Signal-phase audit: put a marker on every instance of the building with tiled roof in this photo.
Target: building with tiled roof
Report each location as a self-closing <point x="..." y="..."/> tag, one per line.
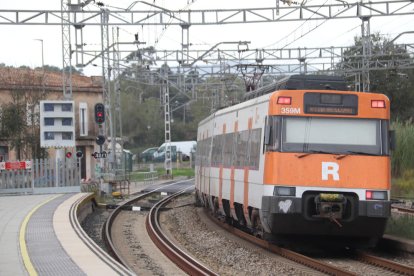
<point x="29" y="86"/>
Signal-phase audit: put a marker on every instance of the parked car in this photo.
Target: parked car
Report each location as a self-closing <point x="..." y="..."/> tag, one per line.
<point x="160" y="157"/>
<point x="147" y="155"/>
<point x="185" y="147"/>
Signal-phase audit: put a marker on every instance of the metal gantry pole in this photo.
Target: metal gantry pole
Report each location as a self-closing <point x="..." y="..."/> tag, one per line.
<point x="185" y="44"/>
<point x="117" y="89"/>
<point x="167" y="122"/>
<point x="366" y="52"/>
<point x="106" y="87"/>
<point x="66" y="51"/>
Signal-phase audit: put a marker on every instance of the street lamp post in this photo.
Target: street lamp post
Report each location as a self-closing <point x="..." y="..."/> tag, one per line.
<point x="43" y="64"/>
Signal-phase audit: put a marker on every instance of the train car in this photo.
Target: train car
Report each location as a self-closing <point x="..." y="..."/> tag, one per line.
<point x="303" y="159"/>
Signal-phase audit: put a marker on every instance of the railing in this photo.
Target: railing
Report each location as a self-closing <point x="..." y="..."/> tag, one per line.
<point x="150" y="177"/>
<point x="40" y="176"/>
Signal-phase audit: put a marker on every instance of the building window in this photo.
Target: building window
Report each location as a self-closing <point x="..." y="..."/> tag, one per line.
<point x="66" y="135"/>
<point x="83" y="119"/>
<point x="66" y="121"/>
<point x="49" y="121"/>
<point x="49" y="107"/>
<point x="67" y="107"/>
<point x="49" y="136"/>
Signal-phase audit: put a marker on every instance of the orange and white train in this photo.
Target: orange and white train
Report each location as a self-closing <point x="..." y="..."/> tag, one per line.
<point x="303" y="158"/>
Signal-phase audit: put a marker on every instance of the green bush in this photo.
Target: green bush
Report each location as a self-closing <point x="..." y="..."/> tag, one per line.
<point x="403" y="155"/>
<point x="403" y="160"/>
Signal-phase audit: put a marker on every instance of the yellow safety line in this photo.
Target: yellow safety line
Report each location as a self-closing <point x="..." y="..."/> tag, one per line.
<point x="23" y="248"/>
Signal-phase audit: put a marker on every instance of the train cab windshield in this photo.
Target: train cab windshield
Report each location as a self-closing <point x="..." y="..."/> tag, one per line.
<point x="327" y="135"/>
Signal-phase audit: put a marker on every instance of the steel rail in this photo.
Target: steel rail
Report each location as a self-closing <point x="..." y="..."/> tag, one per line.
<point x="107" y="230"/>
<point x="384" y="263"/>
<point x="315" y="264"/>
<point x="98" y="251"/>
<point x="403" y="209"/>
<point x="286" y="253"/>
<point x="107" y="227"/>
<point x="187" y="263"/>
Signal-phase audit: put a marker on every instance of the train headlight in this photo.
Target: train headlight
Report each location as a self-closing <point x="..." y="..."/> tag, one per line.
<point x="284" y="191"/>
<point x="376" y="195"/>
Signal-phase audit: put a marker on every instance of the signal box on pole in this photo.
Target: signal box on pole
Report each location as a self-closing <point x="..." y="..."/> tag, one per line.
<point x="99" y="113"/>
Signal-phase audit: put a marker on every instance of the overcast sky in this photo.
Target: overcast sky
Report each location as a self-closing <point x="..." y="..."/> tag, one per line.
<point x="19" y="44"/>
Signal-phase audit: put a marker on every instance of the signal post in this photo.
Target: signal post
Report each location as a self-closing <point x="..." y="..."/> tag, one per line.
<point x="100" y="138"/>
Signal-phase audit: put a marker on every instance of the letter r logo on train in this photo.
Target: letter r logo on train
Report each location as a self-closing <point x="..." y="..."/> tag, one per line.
<point x="330" y="168"/>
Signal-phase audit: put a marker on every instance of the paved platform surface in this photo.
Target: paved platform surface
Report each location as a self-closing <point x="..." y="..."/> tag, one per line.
<point x="37" y="238"/>
<point x="44" y="248"/>
<point x="13" y="210"/>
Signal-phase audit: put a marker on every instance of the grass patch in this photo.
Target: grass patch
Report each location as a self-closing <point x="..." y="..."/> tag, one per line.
<point x="404" y="186"/>
<point x="403" y="155"/>
<point x="189" y="172"/>
<point x="401" y="226"/>
<point x="403" y="160"/>
<point x="140" y="175"/>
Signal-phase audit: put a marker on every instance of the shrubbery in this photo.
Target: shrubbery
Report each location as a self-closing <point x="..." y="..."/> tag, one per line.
<point x="403" y="160"/>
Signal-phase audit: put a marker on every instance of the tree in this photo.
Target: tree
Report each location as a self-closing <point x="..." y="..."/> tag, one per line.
<point x="397" y="84"/>
<point x="20" y="116"/>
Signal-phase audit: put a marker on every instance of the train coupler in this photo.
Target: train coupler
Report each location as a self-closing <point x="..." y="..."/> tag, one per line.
<point x="330" y="206"/>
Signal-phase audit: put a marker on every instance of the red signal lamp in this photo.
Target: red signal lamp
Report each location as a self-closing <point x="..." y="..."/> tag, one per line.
<point x="68" y="154"/>
<point x="284" y="100"/>
<point x="378" y="104"/>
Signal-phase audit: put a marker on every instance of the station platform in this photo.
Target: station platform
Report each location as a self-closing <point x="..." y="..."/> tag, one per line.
<point x="38" y="236"/>
<point x="41" y="235"/>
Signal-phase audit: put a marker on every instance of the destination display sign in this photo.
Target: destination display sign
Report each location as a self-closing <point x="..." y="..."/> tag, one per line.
<point x="331" y="110"/>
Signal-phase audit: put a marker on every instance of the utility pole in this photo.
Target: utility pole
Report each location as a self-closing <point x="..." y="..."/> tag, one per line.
<point x="366" y="53"/>
<point x="165" y="91"/>
<point x="106" y="87"/>
<point x="43" y="66"/>
<point x="66" y="49"/>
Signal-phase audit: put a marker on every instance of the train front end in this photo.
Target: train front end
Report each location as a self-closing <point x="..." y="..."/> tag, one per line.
<point x="327" y="166"/>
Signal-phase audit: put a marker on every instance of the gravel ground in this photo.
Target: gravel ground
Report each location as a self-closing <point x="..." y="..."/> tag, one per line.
<point x="204" y="240"/>
<point x="218" y="249"/>
<point x="93" y="223"/>
<point x="137" y="249"/>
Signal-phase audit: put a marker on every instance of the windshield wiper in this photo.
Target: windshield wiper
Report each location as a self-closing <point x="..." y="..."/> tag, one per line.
<point x="350" y="152"/>
<point x="309" y="152"/>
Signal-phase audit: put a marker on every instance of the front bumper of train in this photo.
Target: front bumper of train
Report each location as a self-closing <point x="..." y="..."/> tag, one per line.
<point x="289" y="216"/>
<point x="294" y="205"/>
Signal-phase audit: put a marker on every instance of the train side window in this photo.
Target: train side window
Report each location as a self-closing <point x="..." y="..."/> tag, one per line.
<point x="242" y="148"/>
<point x="272" y="133"/>
<point x="216" y="155"/>
<point x="254" y="148"/>
<point x="228" y="150"/>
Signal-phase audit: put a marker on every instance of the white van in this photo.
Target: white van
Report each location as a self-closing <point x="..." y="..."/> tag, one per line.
<point x="185" y="147"/>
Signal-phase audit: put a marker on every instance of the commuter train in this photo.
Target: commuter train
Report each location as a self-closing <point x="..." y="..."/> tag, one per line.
<point x="302" y="159"/>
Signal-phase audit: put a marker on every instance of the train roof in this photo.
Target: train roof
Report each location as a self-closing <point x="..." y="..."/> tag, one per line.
<point x="293" y="82"/>
<point x="301" y="82"/>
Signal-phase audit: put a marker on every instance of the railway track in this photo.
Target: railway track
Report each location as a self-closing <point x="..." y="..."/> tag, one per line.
<point x="403" y="209"/>
<point x="107" y="230"/>
<point x="175" y="254"/>
<point x="317" y="264"/>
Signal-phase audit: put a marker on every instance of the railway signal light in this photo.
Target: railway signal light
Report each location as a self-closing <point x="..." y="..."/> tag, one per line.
<point x="68" y="154"/>
<point x="79" y="154"/>
<point x="99" y="113"/>
<point x="100" y="140"/>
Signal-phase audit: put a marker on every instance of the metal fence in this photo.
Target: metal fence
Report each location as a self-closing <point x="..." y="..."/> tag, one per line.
<point x="42" y="176"/>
